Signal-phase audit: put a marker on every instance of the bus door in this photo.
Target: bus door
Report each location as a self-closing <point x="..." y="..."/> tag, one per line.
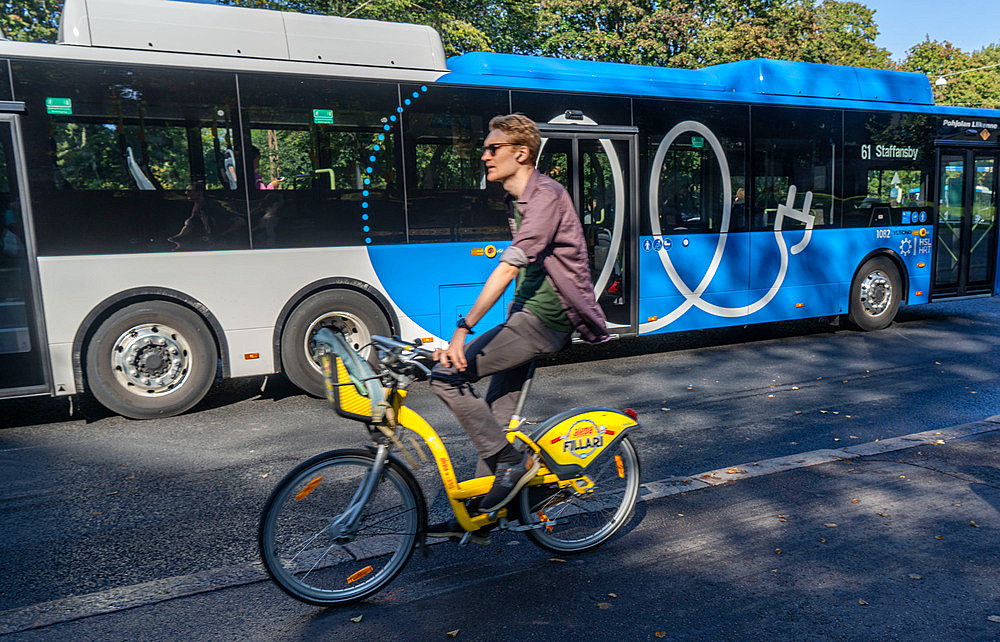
<point x="22" y="354"/>
<point x="598" y="167"/>
<point x="966" y="247"/>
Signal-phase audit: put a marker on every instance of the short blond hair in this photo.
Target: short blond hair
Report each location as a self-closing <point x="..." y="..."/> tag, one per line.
<point x="519" y="130"/>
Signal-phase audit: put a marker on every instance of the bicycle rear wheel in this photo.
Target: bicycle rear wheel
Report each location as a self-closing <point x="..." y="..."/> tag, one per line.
<point x="305" y="552"/>
<point x="577" y="523"/>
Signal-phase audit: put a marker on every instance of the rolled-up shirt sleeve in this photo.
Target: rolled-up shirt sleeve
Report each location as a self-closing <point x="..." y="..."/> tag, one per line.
<point x="538" y="227"/>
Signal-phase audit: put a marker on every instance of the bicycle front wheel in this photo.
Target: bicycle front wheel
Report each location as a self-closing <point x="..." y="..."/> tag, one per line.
<point x="573" y="523"/>
<point x="308" y="544"/>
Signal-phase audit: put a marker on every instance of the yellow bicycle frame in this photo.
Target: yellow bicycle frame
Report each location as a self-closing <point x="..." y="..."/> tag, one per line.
<point x="459" y="491"/>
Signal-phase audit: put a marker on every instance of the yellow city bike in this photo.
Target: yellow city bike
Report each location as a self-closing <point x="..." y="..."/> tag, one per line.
<point x="342" y="525"/>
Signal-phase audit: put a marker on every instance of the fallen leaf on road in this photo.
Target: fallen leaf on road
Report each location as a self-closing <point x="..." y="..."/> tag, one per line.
<point x="452" y="634"/>
<point x="556" y="559"/>
<point x="973" y="525"/>
<point x="824" y="411"/>
<point x="264" y="476"/>
<point x="914" y="576"/>
<point x="356" y="619"/>
<point x="795" y="387"/>
<point x="604" y="605"/>
<point x="938" y="442"/>
<point x="994" y="618"/>
<point x="830" y="525"/>
<point x="777" y="551"/>
<point x="938" y="537"/>
<point x="854" y="501"/>
<point x="665" y="409"/>
<point x="709" y="476"/>
<point x="612" y="595"/>
<point x="822" y="541"/>
<point x="883" y="514"/>
<point x="862" y="603"/>
<point x="660" y="634"/>
<point x="735" y="471"/>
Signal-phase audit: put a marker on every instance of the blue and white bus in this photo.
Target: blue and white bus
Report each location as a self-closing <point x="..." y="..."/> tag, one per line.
<point x="190" y="185"/>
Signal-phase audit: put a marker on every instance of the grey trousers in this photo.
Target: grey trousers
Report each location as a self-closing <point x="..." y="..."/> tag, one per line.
<point x="505" y="352"/>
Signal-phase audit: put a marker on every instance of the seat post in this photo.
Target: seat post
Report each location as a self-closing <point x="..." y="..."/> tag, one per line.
<point x="516" y="419"/>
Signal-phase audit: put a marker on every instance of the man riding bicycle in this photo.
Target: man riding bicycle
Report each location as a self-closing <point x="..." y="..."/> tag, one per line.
<point x="553" y="297"/>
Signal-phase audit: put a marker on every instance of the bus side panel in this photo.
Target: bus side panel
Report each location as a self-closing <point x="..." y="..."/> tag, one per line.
<point x="674" y="268"/>
<point x="434" y="284"/>
<point x="244" y="290"/>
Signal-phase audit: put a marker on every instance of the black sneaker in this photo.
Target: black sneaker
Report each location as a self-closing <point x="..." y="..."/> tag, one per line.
<point x="452" y="528"/>
<point x="510" y="478"/>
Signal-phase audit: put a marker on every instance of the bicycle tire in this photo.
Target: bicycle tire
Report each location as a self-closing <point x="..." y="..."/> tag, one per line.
<point x="295" y="538"/>
<point x="579" y="523"/>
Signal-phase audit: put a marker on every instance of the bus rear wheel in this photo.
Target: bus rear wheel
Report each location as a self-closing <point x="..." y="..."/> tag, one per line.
<point x="350" y="313"/>
<point x="875" y="294"/>
<point x="151" y="359"/>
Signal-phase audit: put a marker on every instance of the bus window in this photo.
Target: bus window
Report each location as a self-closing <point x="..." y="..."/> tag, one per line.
<point x="888" y="169"/>
<point x="691" y="178"/>
<point x="793" y="148"/>
<point x="6" y="91"/>
<point x="448" y="197"/>
<point x="114" y="150"/>
<point x="325" y="162"/>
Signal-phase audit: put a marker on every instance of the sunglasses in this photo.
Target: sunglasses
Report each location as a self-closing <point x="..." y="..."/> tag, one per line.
<point x="492" y="149"/>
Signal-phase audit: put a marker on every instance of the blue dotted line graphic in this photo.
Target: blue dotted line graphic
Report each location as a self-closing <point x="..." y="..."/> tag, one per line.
<point x="376" y="148"/>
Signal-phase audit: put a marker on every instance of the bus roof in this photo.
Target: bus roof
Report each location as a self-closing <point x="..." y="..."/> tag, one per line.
<point x="160" y="25"/>
<point x="747" y="77"/>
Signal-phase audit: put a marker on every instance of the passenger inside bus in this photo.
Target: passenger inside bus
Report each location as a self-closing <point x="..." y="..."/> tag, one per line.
<point x="209" y="226"/>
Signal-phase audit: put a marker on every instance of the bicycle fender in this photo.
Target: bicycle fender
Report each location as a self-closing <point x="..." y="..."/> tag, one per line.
<point x="572" y="441"/>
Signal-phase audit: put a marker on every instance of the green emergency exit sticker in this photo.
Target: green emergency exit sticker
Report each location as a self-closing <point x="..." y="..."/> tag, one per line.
<point x="323" y="116"/>
<point x="61" y="106"/>
<point x="697" y="142"/>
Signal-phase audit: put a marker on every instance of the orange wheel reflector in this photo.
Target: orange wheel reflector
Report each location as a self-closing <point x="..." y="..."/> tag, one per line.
<point x="620" y="466"/>
<point x="357" y="576"/>
<point x="310" y="487"/>
<point x="542" y="517"/>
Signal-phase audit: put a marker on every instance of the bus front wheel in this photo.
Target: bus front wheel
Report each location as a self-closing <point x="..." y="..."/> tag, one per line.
<point x="350" y="313"/>
<point x="875" y="294"/>
<point x="151" y="359"/>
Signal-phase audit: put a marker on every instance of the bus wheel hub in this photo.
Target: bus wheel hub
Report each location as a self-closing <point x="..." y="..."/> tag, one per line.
<point x="150" y="359"/>
<point x="876" y="293"/>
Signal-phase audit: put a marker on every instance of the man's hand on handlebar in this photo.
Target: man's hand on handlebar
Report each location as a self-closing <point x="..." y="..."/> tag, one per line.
<point x="454" y="354"/>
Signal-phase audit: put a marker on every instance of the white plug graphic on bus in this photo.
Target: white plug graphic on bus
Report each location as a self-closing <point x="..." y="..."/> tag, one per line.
<point x="694" y="296"/>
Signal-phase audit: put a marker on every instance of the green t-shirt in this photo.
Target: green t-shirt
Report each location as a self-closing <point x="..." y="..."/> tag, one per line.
<point x="534" y="290"/>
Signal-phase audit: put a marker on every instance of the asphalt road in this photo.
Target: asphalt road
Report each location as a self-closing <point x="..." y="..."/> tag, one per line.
<point x="90" y="502"/>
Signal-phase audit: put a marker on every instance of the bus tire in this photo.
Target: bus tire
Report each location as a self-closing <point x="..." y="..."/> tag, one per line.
<point x="351" y="313"/>
<point x="876" y="292"/>
<point x="151" y="359"/>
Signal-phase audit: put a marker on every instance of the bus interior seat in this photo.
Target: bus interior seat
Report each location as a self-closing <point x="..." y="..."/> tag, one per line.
<point x="229" y="168"/>
<point x="140" y="179"/>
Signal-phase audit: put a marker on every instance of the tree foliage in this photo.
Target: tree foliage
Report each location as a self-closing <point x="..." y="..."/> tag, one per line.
<point x="674" y="33"/>
<point x="972" y="80"/>
<point x="36" y="20"/>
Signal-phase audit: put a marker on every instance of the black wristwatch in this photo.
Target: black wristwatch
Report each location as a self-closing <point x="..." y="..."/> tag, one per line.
<point x="462" y="324"/>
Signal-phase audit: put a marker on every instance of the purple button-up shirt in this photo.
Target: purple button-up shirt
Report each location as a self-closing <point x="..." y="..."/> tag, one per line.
<point x="550" y="232"/>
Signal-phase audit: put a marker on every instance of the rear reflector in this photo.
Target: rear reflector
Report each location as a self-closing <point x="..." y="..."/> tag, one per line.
<point x="631" y="413"/>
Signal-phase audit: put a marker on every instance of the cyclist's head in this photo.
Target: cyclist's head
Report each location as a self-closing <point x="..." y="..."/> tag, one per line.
<point x="519" y="130"/>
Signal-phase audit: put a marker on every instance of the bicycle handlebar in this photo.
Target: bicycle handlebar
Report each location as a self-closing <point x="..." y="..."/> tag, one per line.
<point x="398" y="347"/>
